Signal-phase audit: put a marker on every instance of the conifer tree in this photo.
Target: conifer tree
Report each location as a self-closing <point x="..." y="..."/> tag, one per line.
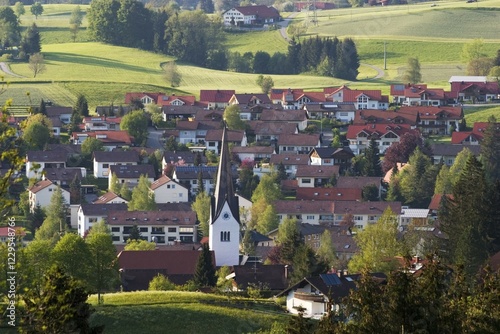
<point x="204" y="275"/>
<point x="55" y="224"/>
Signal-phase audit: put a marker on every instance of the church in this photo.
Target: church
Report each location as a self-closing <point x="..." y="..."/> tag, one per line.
<point x="224" y="228"/>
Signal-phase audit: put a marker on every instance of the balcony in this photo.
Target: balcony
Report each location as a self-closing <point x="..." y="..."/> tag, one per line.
<point x="318" y="298"/>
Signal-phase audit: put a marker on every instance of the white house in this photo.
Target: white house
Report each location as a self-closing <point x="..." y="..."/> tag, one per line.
<point x="130" y="174"/>
<point x="213" y="139"/>
<point x="103" y="160"/>
<point x="89" y="214"/>
<point x="37" y="161"/>
<point x="250" y="15"/>
<point x="41" y="193"/>
<point x="167" y="190"/>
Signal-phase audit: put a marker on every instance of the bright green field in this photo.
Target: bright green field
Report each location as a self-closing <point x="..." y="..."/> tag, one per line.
<point x="474" y="114"/>
<point x="179" y="313"/>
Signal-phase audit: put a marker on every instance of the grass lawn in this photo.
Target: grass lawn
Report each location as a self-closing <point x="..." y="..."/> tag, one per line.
<point x="179" y="312"/>
<point x="481" y="114"/>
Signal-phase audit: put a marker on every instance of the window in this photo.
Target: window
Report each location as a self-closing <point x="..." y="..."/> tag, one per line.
<point x="158" y="230"/>
<point x="115" y="229"/>
<point x="327" y="161"/>
<point x="92" y="220"/>
<point x="194" y="181"/>
<point x="171" y="238"/>
<point x="172" y="229"/>
<point x="105" y="165"/>
<point x="225" y="236"/>
<point x="306" y="180"/>
<point x="186" y="230"/>
<point x="358" y="218"/>
<point x="143" y="229"/>
<point x="115" y="238"/>
<point x="310" y="217"/>
<point x="211" y="144"/>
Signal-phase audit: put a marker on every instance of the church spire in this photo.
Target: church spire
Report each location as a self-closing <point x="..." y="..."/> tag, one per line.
<point x="224" y="190"/>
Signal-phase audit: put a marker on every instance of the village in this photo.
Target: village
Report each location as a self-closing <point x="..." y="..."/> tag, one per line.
<point x="322" y="189"/>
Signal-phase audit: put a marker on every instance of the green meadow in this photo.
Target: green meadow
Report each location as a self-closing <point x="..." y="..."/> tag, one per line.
<point x="104" y="73"/>
<point x="183" y="313"/>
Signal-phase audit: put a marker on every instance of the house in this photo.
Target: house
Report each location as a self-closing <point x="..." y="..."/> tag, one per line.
<point x="259" y="239"/>
<point x="329" y="194"/>
<point x="418" y="95"/>
<point x="182" y="112"/>
<point x="213" y="139"/>
<point x="311" y="212"/>
<point x="448" y="152"/>
<point x="314" y="294"/>
<point x="414" y="217"/>
<point x="109" y="198"/>
<point x="253" y="112"/>
<point x="215" y="99"/>
<point x="195" y="131"/>
<point x="138" y="268"/>
<point x="63" y="113"/>
<point x="363" y="213"/>
<point x="188" y="176"/>
<point x="89" y="214"/>
<point x="182" y="158"/>
<point x="400" y="116"/>
<point x="268" y="132"/>
<point x="251" y="15"/>
<point x="224" y="222"/>
<point x="101" y="123"/>
<point x="273" y="277"/>
<point x="312" y="176"/>
<point x="103" y="161"/>
<point x="359" y="182"/>
<point x="437" y="120"/>
<point x="473" y="137"/>
<point x="473" y="88"/>
<point x="144" y="97"/>
<point x="41" y="192"/>
<point x="176" y="100"/>
<point x="167" y="190"/>
<point x="385" y="135"/>
<point x="435" y="205"/>
<point x="342" y="111"/>
<point x="343" y="241"/>
<point x="131" y="174"/>
<point x="63" y="176"/>
<point x="291" y="162"/>
<point x="249" y="99"/>
<point x="161" y="227"/>
<point x="329" y="156"/>
<point x="253" y="153"/>
<point x="37" y="161"/>
<point x="298" y="117"/>
<point x="362" y="99"/>
<point x="299" y="143"/>
<point x="291" y="99"/>
<point x="17" y="233"/>
<point x="56" y="126"/>
<point x="110" y="139"/>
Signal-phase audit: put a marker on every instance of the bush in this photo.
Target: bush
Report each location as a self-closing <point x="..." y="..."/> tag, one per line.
<point x="161" y="283"/>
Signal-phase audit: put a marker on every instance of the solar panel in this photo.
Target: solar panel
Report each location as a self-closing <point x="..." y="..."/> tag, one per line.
<point x="330" y="279"/>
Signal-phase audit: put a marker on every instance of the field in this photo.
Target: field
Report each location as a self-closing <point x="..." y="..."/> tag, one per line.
<point x="104" y="73"/>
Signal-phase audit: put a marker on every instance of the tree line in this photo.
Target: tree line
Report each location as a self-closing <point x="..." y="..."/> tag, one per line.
<point x="194" y="37"/>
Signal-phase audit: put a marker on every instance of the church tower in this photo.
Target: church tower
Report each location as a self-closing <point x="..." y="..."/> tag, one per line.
<point x="224" y="230"/>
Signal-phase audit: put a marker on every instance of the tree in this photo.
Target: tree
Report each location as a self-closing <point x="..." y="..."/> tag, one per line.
<point x="401" y="152"/>
<point x="347" y="64"/>
<point x="136" y="124"/>
<point x="417" y="180"/>
<point x="91" y="145"/>
<point x="75" y="22"/>
<point x="60" y="307"/>
<point x="232" y="118"/>
<point x="19" y="9"/>
<point x="305" y="264"/>
<point x="473" y="50"/>
<point x="412" y="74"/>
<point x="495" y="73"/>
<point x="161" y="283"/>
<point x="326" y="250"/>
<point x="372" y="165"/>
<point x="370" y="192"/>
<point x="289" y="239"/>
<point x="115" y="186"/>
<point x="265" y="83"/>
<point x="480" y="66"/>
<point x="201" y="206"/>
<point x="75" y="190"/>
<point x="464" y="219"/>
<point x="54" y="226"/>
<point x="9" y="28"/>
<point x="36" y="64"/>
<point x="172" y="74"/>
<point x="36" y="259"/>
<point x="377" y="244"/>
<point x="204" y="275"/>
<point x="443" y="181"/>
<point x="36" y="136"/>
<point x="142" y="198"/>
<point x="31" y="43"/>
<point x="125" y="191"/>
<point x="490" y="151"/>
<point x="267" y="220"/>
<point x="36" y="9"/>
<point x="207" y="6"/>
<point x="247" y="180"/>
<point x="134" y="234"/>
<point x="267" y="189"/>
<point x="134" y="245"/>
<point x="81" y="106"/>
<point x="459" y="165"/>
<point x="103" y="262"/>
<point x="64" y="256"/>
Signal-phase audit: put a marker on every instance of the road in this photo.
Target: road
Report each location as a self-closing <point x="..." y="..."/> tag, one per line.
<point x="6" y="69"/>
<point x="154" y="137"/>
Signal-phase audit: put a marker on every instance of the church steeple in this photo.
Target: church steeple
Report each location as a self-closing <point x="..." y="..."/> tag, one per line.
<point x="224" y="189"/>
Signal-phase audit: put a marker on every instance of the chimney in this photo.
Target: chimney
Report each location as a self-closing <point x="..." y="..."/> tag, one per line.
<point x="286" y="271"/>
<point x="340" y="273"/>
<point x="346" y="272"/>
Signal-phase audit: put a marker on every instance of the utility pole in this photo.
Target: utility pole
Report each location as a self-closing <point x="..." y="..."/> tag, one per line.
<point x="385" y="56"/>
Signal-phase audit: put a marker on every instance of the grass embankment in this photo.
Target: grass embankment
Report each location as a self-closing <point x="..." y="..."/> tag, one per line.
<point x="181" y="312"/>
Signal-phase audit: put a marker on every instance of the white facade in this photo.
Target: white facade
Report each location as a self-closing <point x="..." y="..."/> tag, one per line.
<point x="170" y="192"/>
<point x="224" y="238"/>
<point x="235" y="16"/>
<point x="101" y="169"/>
<point x="42" y="196"/>
<point x="314" y="303"/>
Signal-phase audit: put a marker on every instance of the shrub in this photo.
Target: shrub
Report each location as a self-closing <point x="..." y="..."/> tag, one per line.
<point x="161" y="283"/>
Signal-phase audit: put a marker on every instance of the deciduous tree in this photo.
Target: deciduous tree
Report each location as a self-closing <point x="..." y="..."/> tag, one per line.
<point x="412" y="74"/>
<point x="265" y="83"/>
<point x="75" y="22"/>
<point x="232" y="118"/>
<point x="142" y="198"/>
<point x="37" y="64"/>
<point x="136" y="124"/>
<point x="201" y="206"/>
<point x="54" y="226"/>
<point x="172" y="74"/>
<point x="37" y="9"/>
<point x="64" y="256"/>
<point x="134" y="245"/>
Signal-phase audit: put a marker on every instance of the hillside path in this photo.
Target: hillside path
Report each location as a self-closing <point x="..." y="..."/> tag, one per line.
<point x="5" y="68"/>
<point x="380" y="72"/>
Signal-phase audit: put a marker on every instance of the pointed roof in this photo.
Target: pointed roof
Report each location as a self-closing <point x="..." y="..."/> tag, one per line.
<point x="224" y="190"/>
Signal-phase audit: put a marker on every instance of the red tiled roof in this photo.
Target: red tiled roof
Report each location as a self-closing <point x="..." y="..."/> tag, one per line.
<point x="165" y="100"/>
<point x="356" y="207"/>
<point x="352" y="95"/>
<point x="249" y="98"/>
<point x="329" y="194"/>
<point x="300" y="139"/>
<point x="272" y="128"/>
<point x="301" y="207"/>
<point x="216" y="95"/>
<point x="261" y="11"/>
<point x="380" y="129"/>
<point x="39" y="186"/>
<point x="232" y="135"/>
<point x="161" y="181"/>
<point x="460" y="137"/>
<point x="107" y="197"/>
<point x="429" y="112"/>
<point x="4" y="231"/>
<point x="129" y="97"/>
<point x="120" y="136"/>
<point x="366" y="116"/>
<point x="279" y="94"/>
<point x="289" y="159"/>
<point x="399" y="89"/>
